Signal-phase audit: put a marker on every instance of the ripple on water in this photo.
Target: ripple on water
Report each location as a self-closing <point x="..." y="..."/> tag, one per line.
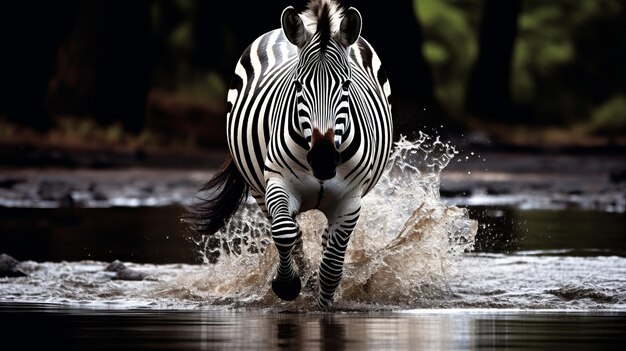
<point x="572" y="292"/>
<point x="479" y="281"/>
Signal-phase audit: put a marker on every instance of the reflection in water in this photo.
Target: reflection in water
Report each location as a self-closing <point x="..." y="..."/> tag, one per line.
<point x="66" y="328"/>
<point x="437" y="330"/>
<point x="333" y="334"/>
<point x="442" y="329"/>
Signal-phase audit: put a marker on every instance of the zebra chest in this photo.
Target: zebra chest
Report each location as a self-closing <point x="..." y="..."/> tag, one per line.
<point x="316" y="194"/>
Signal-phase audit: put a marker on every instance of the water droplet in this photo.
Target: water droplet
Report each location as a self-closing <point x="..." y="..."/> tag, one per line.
<point x="403" y="198"/>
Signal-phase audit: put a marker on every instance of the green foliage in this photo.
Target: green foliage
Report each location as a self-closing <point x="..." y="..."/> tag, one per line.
<point x="78" y="130"/>
<point x="207" y="84"/>
<point x="568" y="61"/>
<point x="562" y="65"/>
<point x="610" y="117"/>
<point x="450" y="46"/>
<point x="174" y="27"/>
<point x="436" y="53"/>
<point x="181" y="38"/>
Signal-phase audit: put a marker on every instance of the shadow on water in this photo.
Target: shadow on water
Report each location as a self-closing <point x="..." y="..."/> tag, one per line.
<point x="137" y="234"/>
<point x="67" y="328"/>
<point x="573" y="232"/>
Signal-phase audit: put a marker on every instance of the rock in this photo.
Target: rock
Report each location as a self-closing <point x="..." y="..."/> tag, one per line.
<point x="8" y="267"/>
<point x="99" y="196"/>
<point x="9" y="183"/>
<point x="124" y="273"/>
<point x="451" y="193"/>
<point x="56" y="190"/>
<point x="115" y="266"/>
<point x="498" y="189"/>
<point x="129" y="274"/>
<point x="617" y="176"/>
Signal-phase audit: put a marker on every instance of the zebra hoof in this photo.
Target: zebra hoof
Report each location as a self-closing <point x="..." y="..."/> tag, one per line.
<point x="287" y="290"/>
<point x="324" y="304"/>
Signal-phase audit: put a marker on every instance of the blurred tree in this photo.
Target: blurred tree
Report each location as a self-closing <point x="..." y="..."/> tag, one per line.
<point x="30" y="33"/>
<point x="222" y="35"/>
<point x="556" y="63"/>
<point x="488" y="94"/>
<point x="569" y="61"/>
<point x="224" y="32"/>
<point x="396" y="34"/>
<point x="198" y="46"/>
<point x="124" y="72"/>
<point x="103" y="68"/>
<point x="562" y="64"/>
<point x="450" y="48"/>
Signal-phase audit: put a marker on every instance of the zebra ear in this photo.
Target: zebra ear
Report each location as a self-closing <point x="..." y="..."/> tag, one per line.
<point x="350" y="27"/>
<point x="293" y="27"/>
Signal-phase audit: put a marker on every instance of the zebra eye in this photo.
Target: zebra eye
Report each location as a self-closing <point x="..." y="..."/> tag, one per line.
<point x="298" y="85"/>
<point x="346" y="85"/>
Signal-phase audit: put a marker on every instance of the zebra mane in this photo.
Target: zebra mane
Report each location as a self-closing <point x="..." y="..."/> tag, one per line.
<point x="323" y="17"/>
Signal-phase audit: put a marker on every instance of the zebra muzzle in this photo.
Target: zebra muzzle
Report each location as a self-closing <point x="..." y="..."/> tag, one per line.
<point x="323" y="156"/>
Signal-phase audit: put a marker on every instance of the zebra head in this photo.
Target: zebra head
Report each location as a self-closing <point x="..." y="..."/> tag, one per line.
<point x="321" y="82"/>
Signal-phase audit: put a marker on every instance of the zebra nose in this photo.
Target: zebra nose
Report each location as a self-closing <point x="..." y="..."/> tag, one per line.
<point x="323" y="156"/>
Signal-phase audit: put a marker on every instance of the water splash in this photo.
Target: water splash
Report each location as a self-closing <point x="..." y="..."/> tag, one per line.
<point x="405" y="254"/>
<point x="405" y="244"/>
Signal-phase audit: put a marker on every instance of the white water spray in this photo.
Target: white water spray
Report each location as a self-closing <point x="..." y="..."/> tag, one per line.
<point x="405" y="244"/>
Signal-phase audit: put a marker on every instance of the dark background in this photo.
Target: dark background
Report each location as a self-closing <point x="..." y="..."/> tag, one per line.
<point x="150" y="76"/>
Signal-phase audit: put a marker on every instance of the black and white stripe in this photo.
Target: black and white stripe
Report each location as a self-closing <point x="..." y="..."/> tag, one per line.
<point x="309" y="127"/>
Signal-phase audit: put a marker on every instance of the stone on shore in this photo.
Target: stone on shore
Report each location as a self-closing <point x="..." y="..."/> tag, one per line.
<point x="9" y="267"/>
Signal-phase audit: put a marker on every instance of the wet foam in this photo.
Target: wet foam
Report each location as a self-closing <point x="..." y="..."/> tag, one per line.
<point x="497" y="282"/>
<point x="405" y="245"/>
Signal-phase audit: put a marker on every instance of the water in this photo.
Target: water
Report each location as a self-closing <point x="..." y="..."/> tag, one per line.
<point x="420" y="272"/>
<point x="64" y="328"/>
<point x="529" y="280"/>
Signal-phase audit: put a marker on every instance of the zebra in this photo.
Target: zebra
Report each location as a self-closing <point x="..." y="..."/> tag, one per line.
<point x="309" y="126"/>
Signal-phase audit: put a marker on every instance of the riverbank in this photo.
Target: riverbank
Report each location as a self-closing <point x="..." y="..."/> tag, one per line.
<point x="481" y="173"/>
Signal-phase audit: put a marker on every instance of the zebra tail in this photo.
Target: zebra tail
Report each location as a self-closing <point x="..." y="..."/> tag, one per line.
<point x="227" y="189"/>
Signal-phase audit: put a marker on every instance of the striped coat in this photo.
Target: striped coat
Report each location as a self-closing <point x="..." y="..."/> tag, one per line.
<point x="308" y="127"/>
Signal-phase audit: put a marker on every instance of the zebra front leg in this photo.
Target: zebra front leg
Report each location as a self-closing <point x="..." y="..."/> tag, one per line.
<point x="335" y="243"/>
<point x="285" y="233"/>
